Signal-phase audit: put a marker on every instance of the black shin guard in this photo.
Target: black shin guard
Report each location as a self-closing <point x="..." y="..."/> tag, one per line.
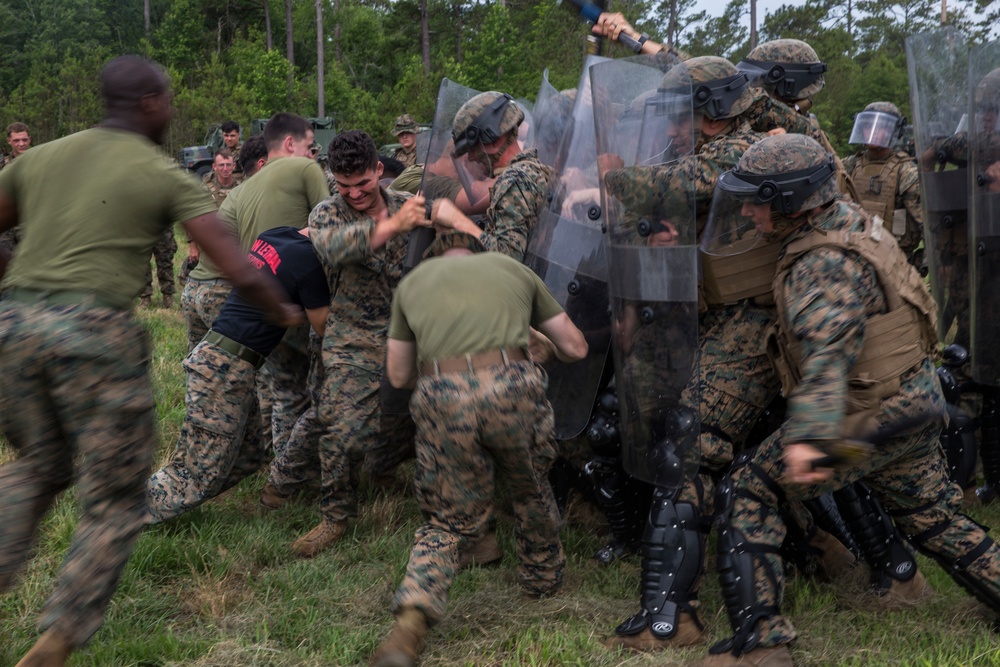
<point x="673" y="558"/>
<point x="989" y="445"/>
<point x="829" y="517"/>
<point x="881" y="545"/>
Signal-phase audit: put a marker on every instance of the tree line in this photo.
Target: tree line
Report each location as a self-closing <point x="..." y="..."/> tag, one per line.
<point x="245" y="59"/>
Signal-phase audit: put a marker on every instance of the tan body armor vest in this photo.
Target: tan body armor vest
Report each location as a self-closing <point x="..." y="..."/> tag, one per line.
<point x="877" y="183"/>
<point x="727" y="279"/>
<point x="894" y="342"/>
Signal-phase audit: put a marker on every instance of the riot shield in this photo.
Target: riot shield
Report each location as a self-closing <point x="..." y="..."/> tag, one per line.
<point x="552" y="112"/>
<point x="445" y="176"/>
<point x="652" y="256"/>
<point x="938" y="70"/>
<point x="984" y="213"/>
<point x="566" y="248"/>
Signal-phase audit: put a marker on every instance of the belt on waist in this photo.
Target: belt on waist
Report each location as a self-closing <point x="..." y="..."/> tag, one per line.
<point x="41" y="297"/>
<point x="209" y="281"/>
<point x="256" y="359"/>
<point x="474" y="362"/>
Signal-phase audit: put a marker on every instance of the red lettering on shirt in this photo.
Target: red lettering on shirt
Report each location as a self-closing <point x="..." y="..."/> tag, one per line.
<point x="266" y="253"/>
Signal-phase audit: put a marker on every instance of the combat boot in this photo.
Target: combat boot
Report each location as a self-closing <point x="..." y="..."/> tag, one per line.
<point x="905" y="593"/>
<point x="834" y="559"/>
<point x="51" y="650"/>
<point x="484" y="552"/>
<point x="319" y="538"/>
<point x="689" y="633"/>
<point x="145" y="302"/>
<point x="272" y="498"/>
<point x="404" y="642"/>
<point x="762" y="656"/>
<point x="168" y="301"/>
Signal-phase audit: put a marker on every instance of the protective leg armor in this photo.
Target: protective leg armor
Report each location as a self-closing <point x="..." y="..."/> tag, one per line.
<point x="957" y="568"/>
<point x="622" y="499"/>
<point x="881" y="545"/>
<point x="958" y="438"/>
<point x="989" y="444"/>
<point x="828" y="517"/>
<point x="736" y="561"/>
<point x="673" y="557"/>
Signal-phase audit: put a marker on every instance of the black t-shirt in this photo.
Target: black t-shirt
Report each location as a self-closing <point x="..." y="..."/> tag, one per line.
<point x="290" y="258"/>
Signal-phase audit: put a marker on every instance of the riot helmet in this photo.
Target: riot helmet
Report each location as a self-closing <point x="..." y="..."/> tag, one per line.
<point x="484" y="119"/>
<point x="879" y="125"/>
<point x="987" y="100"/>
<point x="717" y="89"/>
<point x="787" y="68"/>
<point x="792" y="172"/>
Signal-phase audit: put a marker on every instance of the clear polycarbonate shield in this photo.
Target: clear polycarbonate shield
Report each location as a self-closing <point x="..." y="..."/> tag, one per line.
<point x="938" y="65"/>
<point x="443" y="174"/>
<point x="566" y="249"/>
<point x="984" y="214"/>
<point x="542" y="136"/>
<point x="652" y="256"/>
<point x="875" y="128"/>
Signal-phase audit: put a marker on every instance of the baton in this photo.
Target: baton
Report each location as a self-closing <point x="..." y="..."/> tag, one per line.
<point x="592" y="13"/>
<point x="856" y="450"/>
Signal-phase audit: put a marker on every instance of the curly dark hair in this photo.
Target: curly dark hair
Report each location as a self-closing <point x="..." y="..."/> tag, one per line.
<point x="352" y="152"/>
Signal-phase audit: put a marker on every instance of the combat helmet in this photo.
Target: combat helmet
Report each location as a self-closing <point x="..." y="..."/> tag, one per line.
<point x="880" y="125"/>
<point x="484" y="119"/>
<point x="404" y="123"/>
<point x="987" y="94"/>
<point x="788" y="68"/>
<point x="718" y="89"/>
<point x="791" y="171"/>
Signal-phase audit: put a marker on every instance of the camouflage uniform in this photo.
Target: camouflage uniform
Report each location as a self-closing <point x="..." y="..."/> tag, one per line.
<point x="163" y="255"/>
<point x="907" y="473"/>
<point x="362" y="282"/>
<point x="221" y="441"/>
<point x="55" y="360"/>
<point x="201" y="302"/>
<point x="216" y="189"/>
<point x="907" y="195"/>
<point x="9" y="239"/>
<point x="404" y="123"/>
<point x="408" y="158"/>
<point x="516" y="199"/>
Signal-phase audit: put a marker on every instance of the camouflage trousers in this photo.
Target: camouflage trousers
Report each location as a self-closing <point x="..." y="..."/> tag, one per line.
<point x="10" y="238"/>
<point x="297" y="465"/>
<point x="286" y="378"/>
<point x="74" y="386"/>
<point x="220" y="443"/>
<point x="201" y="302"/>
<point x="471" y="427"/>
<point x="908" y="474"/>
<point x="163" y="255"/>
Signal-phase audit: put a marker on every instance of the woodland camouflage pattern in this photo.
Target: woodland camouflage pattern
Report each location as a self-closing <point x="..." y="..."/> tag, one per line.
<point x="470" y="425"/>
<point x="201" y="303"/>
<point x="830" y="293"/>
<point x="516" y="198"/>
<point x="163" y="255"/>
<point x="220" y="442"/>
<point x="91" y="364"/>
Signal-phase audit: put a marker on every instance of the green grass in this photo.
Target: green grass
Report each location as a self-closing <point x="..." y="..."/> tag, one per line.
<point x="219" y="587"/>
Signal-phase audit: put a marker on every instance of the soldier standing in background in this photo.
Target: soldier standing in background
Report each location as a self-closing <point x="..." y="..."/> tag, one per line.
<point x="888" y="179"/>
<point x="19" y="141"/>
<point x="74" y="380"/>
<point x="405" y="129"/>
<point x="231" y="140"/>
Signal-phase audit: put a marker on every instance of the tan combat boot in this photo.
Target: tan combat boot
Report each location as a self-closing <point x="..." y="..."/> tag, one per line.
<point x="905" y="593"/>
<point x="689" y="633"/>
<point x="483" y="552"/>
<point x="319" y="538"/>
<point x="272" y="498"/>
<point x="51" y="650"/>
<point x="404" y="642"/>
<point x="763" y="656"/>
<point x="835" y="560"/>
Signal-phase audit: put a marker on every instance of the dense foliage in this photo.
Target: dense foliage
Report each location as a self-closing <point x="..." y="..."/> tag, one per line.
<point x="380" y="60"/>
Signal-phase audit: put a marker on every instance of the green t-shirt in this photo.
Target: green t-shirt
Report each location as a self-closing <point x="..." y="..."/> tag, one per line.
<point x="434" y="186"/>
<point x="283" y="192"/>
<point x="206" y="268"/>
<point x="462" y="305"/>
<point x="95" y="231"/>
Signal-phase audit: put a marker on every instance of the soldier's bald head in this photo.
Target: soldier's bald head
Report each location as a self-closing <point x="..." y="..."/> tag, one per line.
<point x="126" y="79"/>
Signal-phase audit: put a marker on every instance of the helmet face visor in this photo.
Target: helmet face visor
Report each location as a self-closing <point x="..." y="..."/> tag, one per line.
<point x="785" y="192"/>
<point x="875" y="128"/>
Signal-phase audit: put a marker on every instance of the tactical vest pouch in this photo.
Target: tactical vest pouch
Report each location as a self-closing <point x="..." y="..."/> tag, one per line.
<point x="899" y="222"/>
<point x="727" y="279"/>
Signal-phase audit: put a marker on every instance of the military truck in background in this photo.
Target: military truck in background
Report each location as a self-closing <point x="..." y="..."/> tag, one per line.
<point x="198" y="159"/>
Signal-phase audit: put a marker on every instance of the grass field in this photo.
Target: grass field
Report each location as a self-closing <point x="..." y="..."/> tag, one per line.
<point x="219" y="587"/>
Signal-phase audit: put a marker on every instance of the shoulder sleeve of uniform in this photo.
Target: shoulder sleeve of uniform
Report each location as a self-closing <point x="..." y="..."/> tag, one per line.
<point x="317" y="187"/>
<point x="513" y="211"/>
<point x="399" y="327"/>
<point x="909" y="176"/>
<point x="545" y="306"/>
<point x="188" y="199"/>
